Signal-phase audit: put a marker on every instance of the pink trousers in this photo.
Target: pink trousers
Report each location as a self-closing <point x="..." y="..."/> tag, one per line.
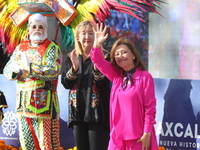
<point x="115" y="144"/>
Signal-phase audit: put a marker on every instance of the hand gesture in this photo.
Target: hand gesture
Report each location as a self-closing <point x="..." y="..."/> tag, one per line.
<point x="75" y="61"/>
<point x="145" y="140"/>
<point x="26" y="61"/>
<point x="15" y="67"/>
<point x="100" y="34"/>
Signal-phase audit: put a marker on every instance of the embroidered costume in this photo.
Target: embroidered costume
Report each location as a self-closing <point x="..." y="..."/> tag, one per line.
<point x="37" y="101"/>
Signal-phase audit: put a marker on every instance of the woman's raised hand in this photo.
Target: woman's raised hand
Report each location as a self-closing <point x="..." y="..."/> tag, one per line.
<point x="74" y="60"/>
<point x="100" y="35"/>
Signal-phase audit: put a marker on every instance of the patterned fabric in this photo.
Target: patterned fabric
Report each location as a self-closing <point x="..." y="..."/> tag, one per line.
<point x="47" y="139"/>
<point x="26" y="138"/>
<point x="33" y="91"/>
<point x="37" y="102"/>
<point x="71" y="75"/>
<point x="98" y="75"/>
<point x="89" y="92"/>
<point x="128" y="77"/>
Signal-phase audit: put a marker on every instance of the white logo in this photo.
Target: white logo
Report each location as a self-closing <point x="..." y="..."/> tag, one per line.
<point x="9" y="123"/>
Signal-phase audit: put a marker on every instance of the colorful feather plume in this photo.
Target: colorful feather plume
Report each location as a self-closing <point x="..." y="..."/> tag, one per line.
<point x="94" y="10"/>
<point x="87" y="10"/>
<point x="10" y="35"/>
<point x="99" y="11"/>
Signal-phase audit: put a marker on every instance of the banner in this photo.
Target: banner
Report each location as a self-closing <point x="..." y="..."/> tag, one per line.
<point x="177" y="117"/>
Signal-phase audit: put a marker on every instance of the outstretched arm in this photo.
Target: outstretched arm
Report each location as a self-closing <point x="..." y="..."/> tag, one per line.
<point x="96" y="54"/>
<point x="100" y="35"/>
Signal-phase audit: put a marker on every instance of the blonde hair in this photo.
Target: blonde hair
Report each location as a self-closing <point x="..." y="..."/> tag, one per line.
<point x="137" y="61"/>
<point x="83" y="25"/>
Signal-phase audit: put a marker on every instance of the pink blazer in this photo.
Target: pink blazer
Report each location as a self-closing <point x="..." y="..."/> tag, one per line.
<point x="132" y="111"/>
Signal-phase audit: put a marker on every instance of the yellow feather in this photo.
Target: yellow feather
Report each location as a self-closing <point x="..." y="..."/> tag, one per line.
<point x="85" y="10"/>
<point x="13" y="34"/>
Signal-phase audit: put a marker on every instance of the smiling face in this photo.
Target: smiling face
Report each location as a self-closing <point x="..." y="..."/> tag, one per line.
<point x="86" y="37"/>
<point x="124" y="55"/>
<point x="124" y="58"/>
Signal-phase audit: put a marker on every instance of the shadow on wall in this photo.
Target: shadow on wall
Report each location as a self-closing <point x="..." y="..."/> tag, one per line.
<point x="179" y="121"/>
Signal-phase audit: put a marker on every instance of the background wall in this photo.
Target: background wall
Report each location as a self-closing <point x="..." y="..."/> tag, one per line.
<point x="174" y="40"/>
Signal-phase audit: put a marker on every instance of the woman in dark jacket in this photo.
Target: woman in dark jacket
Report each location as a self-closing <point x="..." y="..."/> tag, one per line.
<point x="89" y="93"/>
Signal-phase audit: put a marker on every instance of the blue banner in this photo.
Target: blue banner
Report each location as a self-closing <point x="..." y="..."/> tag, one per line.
<point x="178" y="118"/>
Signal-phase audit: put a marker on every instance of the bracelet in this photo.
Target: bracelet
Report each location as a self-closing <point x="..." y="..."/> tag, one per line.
<point x="70" y="75"/>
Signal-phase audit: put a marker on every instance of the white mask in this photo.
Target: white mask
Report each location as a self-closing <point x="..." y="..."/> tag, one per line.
<point x="39" y="37"/>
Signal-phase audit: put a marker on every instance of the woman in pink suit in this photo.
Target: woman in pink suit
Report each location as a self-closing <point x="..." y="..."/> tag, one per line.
<point x="132" y="101"/>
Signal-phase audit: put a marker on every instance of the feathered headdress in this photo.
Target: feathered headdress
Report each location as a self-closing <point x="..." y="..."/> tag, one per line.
<point x="10" y="35"/>
<point x="13" y="30"/>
